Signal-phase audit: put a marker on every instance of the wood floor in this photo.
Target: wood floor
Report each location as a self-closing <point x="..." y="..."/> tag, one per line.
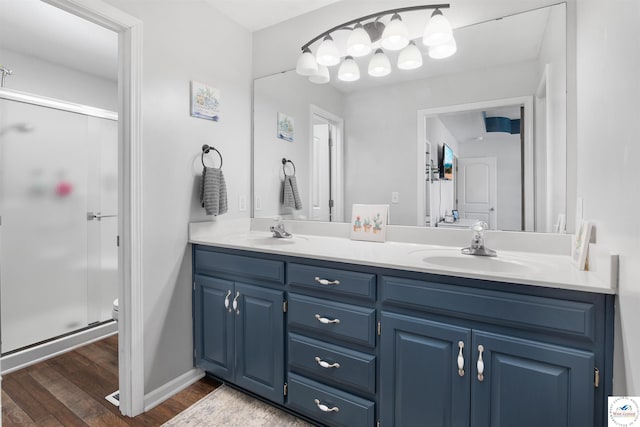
<point x="69" y="390"/>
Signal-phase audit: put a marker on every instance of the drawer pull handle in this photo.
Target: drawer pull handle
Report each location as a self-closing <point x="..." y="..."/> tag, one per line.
<point x="325" y="408"/>
<point x="327" y="282"/>
<point x="226" y="301"/>
<point x="235" y="303"/>
<point x="326" y="364"/>
<point x="480" y="364"/>
<point x="326" y="321"/>
<point x="460" y="359"/>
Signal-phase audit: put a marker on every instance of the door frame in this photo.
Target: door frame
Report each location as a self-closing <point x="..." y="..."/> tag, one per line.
<point x="337" y="189"/>
<point x="130" y="280"/>
<point x="528" y="184"/>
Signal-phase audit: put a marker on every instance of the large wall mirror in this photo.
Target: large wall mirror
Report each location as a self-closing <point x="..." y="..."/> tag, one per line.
<point x="482" y="133"/>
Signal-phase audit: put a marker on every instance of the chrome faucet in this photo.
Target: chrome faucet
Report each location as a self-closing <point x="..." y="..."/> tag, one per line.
<point x="278" y="230"/>
<point x="477" y="242"/>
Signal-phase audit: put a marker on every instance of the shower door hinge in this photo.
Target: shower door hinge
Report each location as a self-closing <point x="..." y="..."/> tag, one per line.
<point x="285" y="389"/>
<point x="596" y="377"/>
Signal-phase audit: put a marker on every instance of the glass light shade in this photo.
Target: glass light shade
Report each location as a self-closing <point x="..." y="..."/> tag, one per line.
<point x="396" y="35"/>
<point x="410" y="58"/>
<point x="306" y="65"/>
<point x="321" y="76"/>
<point x="327" y="53"/>
<point x="438" y="30"/>
<point x="349" y="71"/>
<point x="443" y="50"/>
<point x="359" y="42"/>
<point x="379" y="65"/>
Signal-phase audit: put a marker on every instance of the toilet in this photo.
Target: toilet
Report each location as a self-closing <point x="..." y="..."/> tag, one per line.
<point x="114" y="310"/>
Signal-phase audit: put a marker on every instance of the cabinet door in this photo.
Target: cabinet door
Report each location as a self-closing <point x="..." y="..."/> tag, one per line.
<point x="420" y="382"/>
<point x="527" y="383"/>
<point x="259" y="332"/>
<point x="213" y="326"/>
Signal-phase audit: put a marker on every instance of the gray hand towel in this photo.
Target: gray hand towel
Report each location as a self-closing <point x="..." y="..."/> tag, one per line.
<point x="290" y="194"/>
<point x="213" y="191"/>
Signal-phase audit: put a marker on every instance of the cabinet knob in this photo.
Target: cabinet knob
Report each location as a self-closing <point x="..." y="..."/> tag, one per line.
<point x="480" y="363"/>
<point x="326" y="365"/>
<point x="325" y="408"/>
<point x="460" y="359"/>
<point x="326" y="321"/>
<point x="326" y="281"/>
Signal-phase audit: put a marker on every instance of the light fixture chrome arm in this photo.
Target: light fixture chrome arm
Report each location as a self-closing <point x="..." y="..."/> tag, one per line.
<point x="345" y="26"/>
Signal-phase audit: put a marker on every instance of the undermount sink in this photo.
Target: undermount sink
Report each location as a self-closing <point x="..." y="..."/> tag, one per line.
<point x="265" y="239"/>
<point x="454" y="259"/>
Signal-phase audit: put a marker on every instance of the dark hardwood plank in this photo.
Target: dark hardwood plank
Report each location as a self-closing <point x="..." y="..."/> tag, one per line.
<point x="69" y="390"/>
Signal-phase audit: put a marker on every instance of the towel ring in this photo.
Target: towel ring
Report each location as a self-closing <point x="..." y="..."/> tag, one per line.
<point x="205" y="150"/>
<point x="284" y="162"/>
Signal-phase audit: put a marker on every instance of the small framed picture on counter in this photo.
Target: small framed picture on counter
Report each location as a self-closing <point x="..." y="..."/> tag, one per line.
<point x="369" y="222"/>
<point x="580" y="247"/>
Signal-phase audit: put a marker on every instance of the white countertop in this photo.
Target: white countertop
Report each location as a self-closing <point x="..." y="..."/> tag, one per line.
<point x="530" y="268"/>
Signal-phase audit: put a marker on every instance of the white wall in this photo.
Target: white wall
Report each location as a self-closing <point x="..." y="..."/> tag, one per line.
<point x="384" y="134"/>
<point x="608" y="151"/>
<point x="506" y="149"/>
<point x="34" y="75"/>
<point x="442" y="192"/>
<point x="554" y="176"/>
<point x="184" y="41"/>
<point x="291" y="94"/>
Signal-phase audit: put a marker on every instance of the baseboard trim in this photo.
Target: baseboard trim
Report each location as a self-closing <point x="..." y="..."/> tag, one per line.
<point x="21" y="359"/>
<point x="164" y="392"/>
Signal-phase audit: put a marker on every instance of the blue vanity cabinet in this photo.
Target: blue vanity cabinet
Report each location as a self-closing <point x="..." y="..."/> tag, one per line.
<point x="420" y="383"/>
<point x="332" y="341"/>
<point x="239" y="326"/>
<point x="526" y="360"/>
<point x="528" y="383"/>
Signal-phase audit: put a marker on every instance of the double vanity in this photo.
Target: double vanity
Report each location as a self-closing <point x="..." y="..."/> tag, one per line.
<point x="402" y="333"/>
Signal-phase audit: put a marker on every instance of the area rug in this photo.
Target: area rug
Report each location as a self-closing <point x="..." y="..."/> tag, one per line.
<point x="226" y="406"/>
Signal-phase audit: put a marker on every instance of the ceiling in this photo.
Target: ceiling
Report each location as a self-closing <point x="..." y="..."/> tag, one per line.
<point x="256" y="15"/>
<point x="35" y="28"/>
<point x="38" y="29"/>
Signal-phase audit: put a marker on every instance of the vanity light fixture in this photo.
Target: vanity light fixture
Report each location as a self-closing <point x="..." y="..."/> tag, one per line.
<point x="375" y="32"/>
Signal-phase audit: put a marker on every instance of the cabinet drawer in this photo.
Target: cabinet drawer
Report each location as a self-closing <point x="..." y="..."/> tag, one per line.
<point x="334" y="319"/>
<point x="332" y="364"/>
<point x="562" y="316"/>
<point x="328" y="405"/>
<point x="331" y="280"/>
<point x="208" y="261"/>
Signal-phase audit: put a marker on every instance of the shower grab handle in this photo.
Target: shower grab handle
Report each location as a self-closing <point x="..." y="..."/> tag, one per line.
<point x="98" y="216"/>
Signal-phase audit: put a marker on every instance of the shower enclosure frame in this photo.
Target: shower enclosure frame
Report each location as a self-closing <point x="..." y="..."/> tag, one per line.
<point x="130" y="323"/>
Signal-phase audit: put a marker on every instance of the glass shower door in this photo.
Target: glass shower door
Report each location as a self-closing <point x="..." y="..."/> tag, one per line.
<point x="45" y="173"/>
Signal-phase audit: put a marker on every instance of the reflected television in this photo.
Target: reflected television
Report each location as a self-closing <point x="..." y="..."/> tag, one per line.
<point x="447" y="163"/>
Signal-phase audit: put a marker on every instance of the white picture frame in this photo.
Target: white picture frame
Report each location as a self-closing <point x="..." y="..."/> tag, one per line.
<point x="369" y="222"/>
<point x="205" y="101"/>
<point x="580" y="246"/>
<point x="286" y="127"/>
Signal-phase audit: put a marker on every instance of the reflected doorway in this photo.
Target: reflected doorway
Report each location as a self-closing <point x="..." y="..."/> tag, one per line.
<point x="326" y="184"/>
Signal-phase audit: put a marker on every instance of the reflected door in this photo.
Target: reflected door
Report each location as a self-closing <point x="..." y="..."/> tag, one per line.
<point x="477" y="189"/>
<point x="321" y="172"/>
